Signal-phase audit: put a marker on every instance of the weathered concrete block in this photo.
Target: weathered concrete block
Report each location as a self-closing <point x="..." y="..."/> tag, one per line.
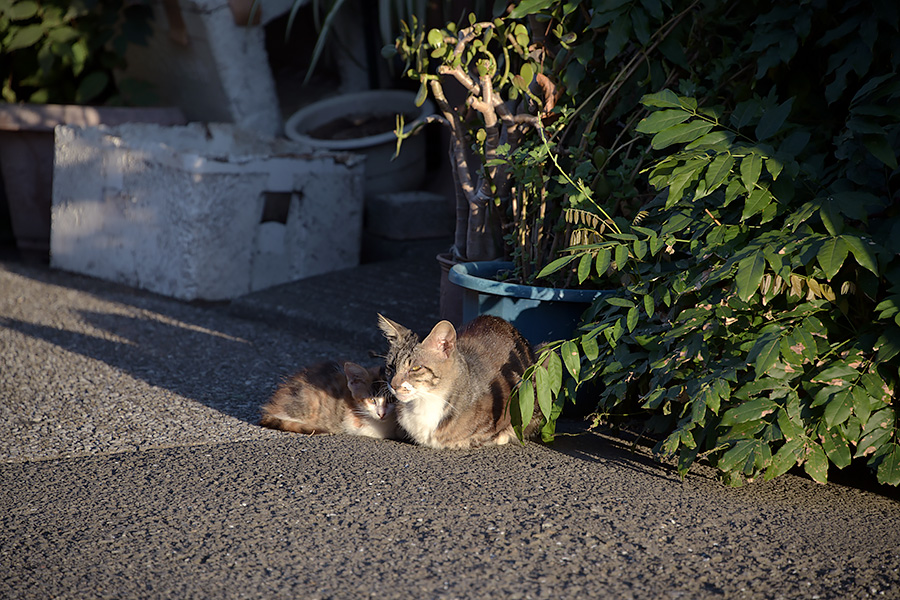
<point x="201" y="212"/>
<point x="411" y="215"/>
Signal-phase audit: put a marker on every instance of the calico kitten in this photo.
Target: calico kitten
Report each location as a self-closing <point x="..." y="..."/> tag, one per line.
<point x="325" y="399"/>
<point x="453" y="388"/>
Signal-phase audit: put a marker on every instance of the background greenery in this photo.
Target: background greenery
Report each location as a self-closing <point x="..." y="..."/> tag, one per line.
<point x="66" y="51"/>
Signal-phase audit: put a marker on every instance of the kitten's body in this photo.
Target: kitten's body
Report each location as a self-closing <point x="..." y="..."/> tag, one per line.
<point x="453" y="389"/>
<point x="326" y="399"/>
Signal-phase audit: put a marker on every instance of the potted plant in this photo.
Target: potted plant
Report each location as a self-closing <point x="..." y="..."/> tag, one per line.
<point x="541" y="119"/>
<point x="62" y="61"/>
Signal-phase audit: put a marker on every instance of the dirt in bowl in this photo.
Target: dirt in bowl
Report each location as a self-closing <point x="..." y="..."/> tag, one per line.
<point x="357" y="126"/>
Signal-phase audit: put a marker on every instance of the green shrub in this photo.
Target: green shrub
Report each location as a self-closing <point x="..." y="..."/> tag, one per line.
<point x="756" y="315"/>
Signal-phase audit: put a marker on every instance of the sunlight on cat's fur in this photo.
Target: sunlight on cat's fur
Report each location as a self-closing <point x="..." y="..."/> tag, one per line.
<point x="325" y="398"/>
<point x="452" y="388"/>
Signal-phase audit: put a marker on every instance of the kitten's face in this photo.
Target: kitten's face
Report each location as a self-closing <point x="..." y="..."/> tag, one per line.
<point x="368" y="390"/>
<point x="376" y="406"/>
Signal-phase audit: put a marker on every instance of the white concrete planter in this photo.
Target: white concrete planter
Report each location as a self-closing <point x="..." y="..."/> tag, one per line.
<point x="201" y="212"/>
<point x="383" y="175"/>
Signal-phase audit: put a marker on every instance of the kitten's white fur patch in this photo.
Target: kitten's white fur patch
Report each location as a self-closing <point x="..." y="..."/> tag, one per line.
<point x="370" y="425"/>
<point x="374" y="428"/>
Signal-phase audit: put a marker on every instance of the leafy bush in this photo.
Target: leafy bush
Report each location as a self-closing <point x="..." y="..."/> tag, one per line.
<point x="59" y="51"/>
<point x="756" y="314"/>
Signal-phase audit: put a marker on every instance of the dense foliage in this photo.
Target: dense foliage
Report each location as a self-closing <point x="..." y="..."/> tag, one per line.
<point x="65" y="52"/>
<point x="756" y="314"/>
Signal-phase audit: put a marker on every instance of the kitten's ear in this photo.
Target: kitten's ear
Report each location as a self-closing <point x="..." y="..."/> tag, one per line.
<point x="442" y="339"/>
<point x="355" y="373"/>
<point x="391" y="330"/>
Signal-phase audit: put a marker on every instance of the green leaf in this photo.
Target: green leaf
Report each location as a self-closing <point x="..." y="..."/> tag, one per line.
<point x="640" y="249"/>
<point x="718" y="171"/>
<point x="570" y="357"/>
<point x="589" y="345"/>
<point x="525" y="402"/>
<point x="831" y="219"/>
<point x="756" y="202"/>
<point x="836" y="447"/>
<point x="617" y="36"/>
<point x="749" y="274"/>
<point x="602" y="264"/>
<point x="632" y="318"/>
<point x="621" y="255"/>
<point x="556" y="265"/>
<point x="764" y="353"/>
<point x="422" y="94"/>
<point x="744" y="113"/>
<point x="718" y="140"/>
<point x="91" y="86"/>
<point x="787" y="457"/>
<point x="816" y="465"/>
<point x="529" y="7"/>
<point x="872" y="442"/>
<point x="661" y="119"/>
<point x="712" y="400"/>
<point x="881" y="149"/>
<point x="752" y="410"/>
<point x="435" y="38"/>
<point x="584" y="266"/>
<point x="862" y="250"/>
<point x="790" y="429"/>
<point x="862" y="403"/>
<point x="679" y="134"/>
<point x="839" y="408"/>
<point x="831" y="256"/>
<point x="889" y="469"/>
<point x="663" y="99"/>
<point x="772" y="120"/>
<point x="837" y="370"/>
<point x="616" y="301"/>
<point x="63" y="35"/>
<point x="751" y="167"/>
<point x="649" y="305"/>
<point x="24" y="37"/>
<point x="739" y="455"/>
<point x="544" y="396"/>
<point x="774" y="167"/>
<point x="19" y="11"/>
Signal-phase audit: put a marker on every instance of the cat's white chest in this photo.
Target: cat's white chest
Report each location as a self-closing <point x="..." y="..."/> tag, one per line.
<point x="421" y="416"/>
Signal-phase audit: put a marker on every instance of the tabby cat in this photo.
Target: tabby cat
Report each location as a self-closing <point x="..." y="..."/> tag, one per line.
<point x="326" y="399"/>
<point x="453" y="388"/>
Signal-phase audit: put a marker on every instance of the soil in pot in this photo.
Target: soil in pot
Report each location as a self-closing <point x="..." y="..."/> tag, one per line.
<point x="357" y="126"/>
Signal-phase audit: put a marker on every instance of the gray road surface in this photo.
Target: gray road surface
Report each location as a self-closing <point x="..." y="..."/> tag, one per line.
<point x="131" y="467"/>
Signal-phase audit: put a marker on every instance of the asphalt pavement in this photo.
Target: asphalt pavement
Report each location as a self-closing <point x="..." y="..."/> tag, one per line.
<point x="131" y="466"/>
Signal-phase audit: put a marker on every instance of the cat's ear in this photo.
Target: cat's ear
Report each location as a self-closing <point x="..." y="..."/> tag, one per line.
<point x="355" y="373"/>
<point x="390" y="329"/>
<point x="442" y="339"/>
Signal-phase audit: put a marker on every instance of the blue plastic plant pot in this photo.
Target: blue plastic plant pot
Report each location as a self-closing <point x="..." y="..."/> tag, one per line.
<point x="542" y="314"/>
